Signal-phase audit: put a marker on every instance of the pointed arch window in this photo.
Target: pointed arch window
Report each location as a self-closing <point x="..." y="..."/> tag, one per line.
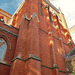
<point x="3" y="48"/>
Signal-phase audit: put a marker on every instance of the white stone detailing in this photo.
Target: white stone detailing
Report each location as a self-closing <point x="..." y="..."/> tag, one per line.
<point x="67" y="69"/>
<point x="55" y="65"/>
<point x="50" y="33"/>
<point x="53" y="12"/>
<point x="1" y="61"/>
<point x="32" y="16"/>
<point x="19" y="56"/>
<point x="46" y="7"/>
<point x="60" y="38"/>
<point x="24" y="15"/>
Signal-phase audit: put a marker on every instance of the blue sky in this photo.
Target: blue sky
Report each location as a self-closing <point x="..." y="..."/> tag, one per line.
<point x="9" y="5"/>
<point x="67" y="7"/>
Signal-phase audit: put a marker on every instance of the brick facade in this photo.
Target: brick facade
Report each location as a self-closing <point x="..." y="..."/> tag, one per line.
<point x="37" y="44"/>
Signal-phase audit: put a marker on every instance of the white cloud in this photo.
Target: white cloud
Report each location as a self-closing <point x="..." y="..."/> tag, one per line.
<point x="68" y="9"/>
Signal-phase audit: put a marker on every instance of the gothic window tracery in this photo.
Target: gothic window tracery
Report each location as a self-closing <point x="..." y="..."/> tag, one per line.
<point x="3" y="47"/>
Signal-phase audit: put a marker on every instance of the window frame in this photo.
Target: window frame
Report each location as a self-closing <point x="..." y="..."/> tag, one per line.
<point x="4" y="50"/>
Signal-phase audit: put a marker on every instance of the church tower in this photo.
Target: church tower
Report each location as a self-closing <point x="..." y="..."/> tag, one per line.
<point x="42" y="42"/>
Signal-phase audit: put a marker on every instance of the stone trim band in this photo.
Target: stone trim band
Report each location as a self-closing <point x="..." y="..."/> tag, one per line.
<point x="5" y="64"/>
<point x="30" y="57"/>
<point x="8" y="32"/>
<point x="53" y="36"/>
<point x="8" y="25"/>
<point x="55" y="68"/>
<point x="43" y="30"/>
<point x="65" y="72"/>
<point x="35" y="58"/>
<point x="47" y="67"/>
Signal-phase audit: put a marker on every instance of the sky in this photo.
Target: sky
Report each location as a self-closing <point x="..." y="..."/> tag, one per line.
<point x="9" y="5"/>
<point x="67" y="7"/>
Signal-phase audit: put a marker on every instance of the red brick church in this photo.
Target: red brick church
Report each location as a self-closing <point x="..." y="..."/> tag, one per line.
<point x="35" y="40"/>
